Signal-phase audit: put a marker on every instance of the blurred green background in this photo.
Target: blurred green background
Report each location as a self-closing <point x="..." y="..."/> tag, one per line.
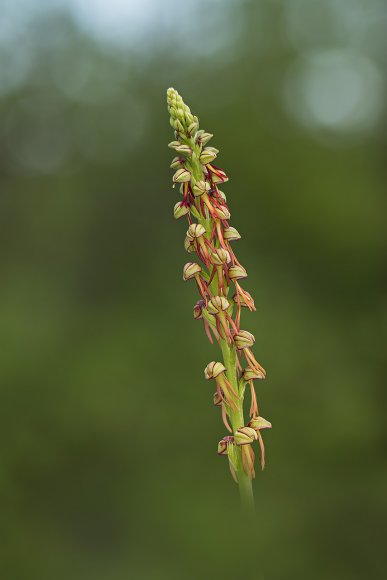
<point x="108" y="465"/>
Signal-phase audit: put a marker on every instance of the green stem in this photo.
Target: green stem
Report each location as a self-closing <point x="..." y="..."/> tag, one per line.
<point x="246" y="492"/>
<point x="237" y="420"/>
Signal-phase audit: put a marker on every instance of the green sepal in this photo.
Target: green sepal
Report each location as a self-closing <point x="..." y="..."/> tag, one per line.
<point x="209" y="317"/>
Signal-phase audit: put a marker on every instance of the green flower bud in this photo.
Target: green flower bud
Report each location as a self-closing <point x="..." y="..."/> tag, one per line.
<point x="177" y="162"/>
<point x="250" y="375"/>
<point x="243" y="339"/>
<point x="171" y="95"/>
<point x="231" y="234"/>
<point x="188" y="245"/>
<point x="174" y="144"/>
<point x="218" y="304"/>
<point x="245" y="436"/>
<point x="200" y="188"/>
<point x="188" y="118"/>
<point x="184" y="149"/>
<point x="237" y="272"/>
<point x="180" y="210"/>
<point x="220" y="257"/>
<point x="213" y="370"/>
<point x="203" y="137"/>
<point x="178" y="126"/>
<point x="196" y="231"/>
<point x="224" y="444"/>
<point x="190" y="270"/>
<point x="223" y="213"/>
<point x="181" y="176"/>
<point x="259" y="423"/>
<point x="192" y="128"/>
<point x="206" y="156"/>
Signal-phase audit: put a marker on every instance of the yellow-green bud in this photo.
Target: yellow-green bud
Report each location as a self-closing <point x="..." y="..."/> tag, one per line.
<point x="243" y="339"/>
<point x="180" y="210"/>
<point x="172" y="95"/>
<point x="176" y="162"/>
<point x="192" y="128"/>
<point x="213" y="370"/>
<point x="237" y="272"/>
<point x="218" y="304"/>
<point x="184" y="149"/>
<point x="188" y="118"/>
<point x="181" y="176"/>
<point x="204" y="137"/>
<point x="190" y="270"/>
<point x="245" y="436"/>
<point x="200" y="188"/>
<point x="206" y="156"/>
<point x="259" y="423"/>
<point x="178" y="126"/>
<point x="174" y="144"/>
<point x="220" y="257"/>
<point x="231" y="234"/>
<point x="250" y="375"/>
<point x="196" y="231"/>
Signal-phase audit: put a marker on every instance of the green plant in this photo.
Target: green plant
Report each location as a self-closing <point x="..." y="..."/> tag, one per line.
<point x="209" y="236"/>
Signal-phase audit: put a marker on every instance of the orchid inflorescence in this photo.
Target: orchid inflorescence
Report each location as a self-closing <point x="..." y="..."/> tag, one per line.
<point x="218" y="276"/>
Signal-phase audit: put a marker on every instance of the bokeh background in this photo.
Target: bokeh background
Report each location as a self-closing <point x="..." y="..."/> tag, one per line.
<point x="108" y="465"/>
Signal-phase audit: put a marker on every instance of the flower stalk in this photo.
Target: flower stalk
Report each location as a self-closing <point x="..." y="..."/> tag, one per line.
<point x="218" y="275"/>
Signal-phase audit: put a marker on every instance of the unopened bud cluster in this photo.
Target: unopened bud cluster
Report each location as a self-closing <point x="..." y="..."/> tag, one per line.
<point x="218" y="275"/>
